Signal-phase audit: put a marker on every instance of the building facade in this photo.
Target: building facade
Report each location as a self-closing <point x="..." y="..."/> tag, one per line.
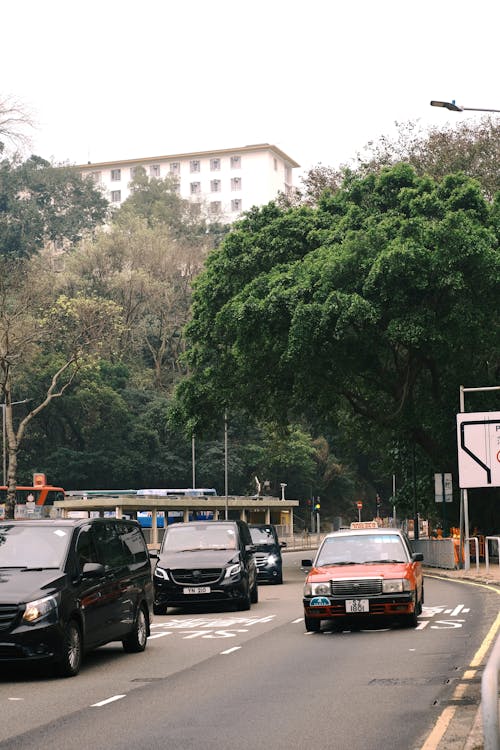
<point x="227" y="181"/>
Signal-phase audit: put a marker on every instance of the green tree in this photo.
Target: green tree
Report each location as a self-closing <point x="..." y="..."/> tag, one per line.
<point x="375" y="305"/>
<point x="34" y="319"/>
<point x="40" y="203"/>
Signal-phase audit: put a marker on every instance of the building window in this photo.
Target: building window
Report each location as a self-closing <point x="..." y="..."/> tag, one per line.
<point x="194" y="165"/>
<point x="116" y="174"/>
<point x="96" y="177"/>
<point x="215" y="207"/>
<point x="235" y="183"/>
<point x="134" y="171"/>
<point x="236" y="204"/>
<point x="154" y="170"/>
<point x="275" y="164"/>
<point x="214" y="165"/>
<point x="116" y="196"/>
<point x="288" y="175"/>
<point x="235" y="162"/>
<point x="175" y="167"/>
<point x="195" y="188"/>
<point x="215" y="186"/>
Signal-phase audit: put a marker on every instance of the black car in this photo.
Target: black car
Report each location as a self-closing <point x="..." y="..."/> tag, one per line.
<point x="267" y="552"/>
<point x="205" y="561"/>
<point x="68" y="586"/>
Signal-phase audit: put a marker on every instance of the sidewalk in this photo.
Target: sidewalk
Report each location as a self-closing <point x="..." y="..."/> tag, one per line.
<point x="476" y="573"/>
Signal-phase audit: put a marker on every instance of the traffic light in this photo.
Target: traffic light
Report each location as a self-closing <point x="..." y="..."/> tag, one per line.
<point x="378" y="502"/>
<point x="317" y="505"/>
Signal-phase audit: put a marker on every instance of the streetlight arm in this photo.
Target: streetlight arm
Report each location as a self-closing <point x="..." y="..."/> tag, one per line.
<point x="456" y="108"/>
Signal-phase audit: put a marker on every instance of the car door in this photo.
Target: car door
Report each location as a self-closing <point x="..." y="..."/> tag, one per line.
<point x="94" y="593"/>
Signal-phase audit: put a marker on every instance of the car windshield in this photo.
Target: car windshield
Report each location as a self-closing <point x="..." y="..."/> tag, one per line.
<point x="262" y="535"/>
<point x="26" y="546"/>
<point x="189" y="537"/>
<point x="362" y="548"/>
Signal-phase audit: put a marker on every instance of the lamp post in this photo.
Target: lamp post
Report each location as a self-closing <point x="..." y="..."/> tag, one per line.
<point x="454" y="107"/>
<point x="4" y="437"/>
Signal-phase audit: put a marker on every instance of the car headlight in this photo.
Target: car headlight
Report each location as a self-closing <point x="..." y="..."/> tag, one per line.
<point x="317" y="589"/>
<point x="161" y="573"/>
<point x="395" y="585"/>
<point x="40" y="609"/>
<point x="233" y="570"/>
<point x="272" y="560"/>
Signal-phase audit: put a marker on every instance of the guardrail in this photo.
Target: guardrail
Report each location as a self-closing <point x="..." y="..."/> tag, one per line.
<point x="489" y="700"/>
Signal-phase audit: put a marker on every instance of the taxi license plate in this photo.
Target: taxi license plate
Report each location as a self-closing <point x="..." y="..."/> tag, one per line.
<point x="196" y="590"/>
<point x="357" y="605"/>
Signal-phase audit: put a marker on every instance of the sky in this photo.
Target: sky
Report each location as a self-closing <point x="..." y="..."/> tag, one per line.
<point x="318" y="78"/>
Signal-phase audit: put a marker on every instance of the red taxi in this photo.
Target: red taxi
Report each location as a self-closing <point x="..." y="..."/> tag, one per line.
<point x="363" y="572"/>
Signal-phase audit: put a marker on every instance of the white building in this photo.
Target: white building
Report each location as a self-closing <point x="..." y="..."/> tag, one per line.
<point x="228" y="181"/>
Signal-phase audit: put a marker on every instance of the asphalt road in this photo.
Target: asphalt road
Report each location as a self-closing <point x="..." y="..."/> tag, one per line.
<point x="225" y="679"/>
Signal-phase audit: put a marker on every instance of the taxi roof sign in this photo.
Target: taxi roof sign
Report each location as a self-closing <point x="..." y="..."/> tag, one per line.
<point x="364" y="525"/>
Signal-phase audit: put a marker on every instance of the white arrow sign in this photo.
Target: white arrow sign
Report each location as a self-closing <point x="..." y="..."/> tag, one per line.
<point x="478" y="440"/>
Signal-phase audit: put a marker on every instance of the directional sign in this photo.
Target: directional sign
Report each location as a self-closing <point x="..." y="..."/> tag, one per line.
<point x="478" y="440"/>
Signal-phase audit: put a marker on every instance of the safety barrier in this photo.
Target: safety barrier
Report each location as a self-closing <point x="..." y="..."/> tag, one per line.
<point x="438" y="553"/>
<point x="487" y="551"/>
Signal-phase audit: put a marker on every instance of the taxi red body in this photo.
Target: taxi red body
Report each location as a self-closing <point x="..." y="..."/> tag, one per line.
<point x="363" y="573"/>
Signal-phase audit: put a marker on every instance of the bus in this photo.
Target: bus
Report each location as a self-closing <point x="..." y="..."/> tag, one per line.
<point x="189" y="492"/>
<point x="35" y="501"/>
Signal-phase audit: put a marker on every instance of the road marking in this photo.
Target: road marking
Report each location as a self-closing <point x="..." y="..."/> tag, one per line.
<point x="158" y="635"/>
<point x="230" y="650"/>
<point x="446" y="716"/>
<point x="108" y="700"/>
<point x="299" y="619"/>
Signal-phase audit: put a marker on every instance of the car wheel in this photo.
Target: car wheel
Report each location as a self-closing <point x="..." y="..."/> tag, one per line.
<point x="244" y="603"/>
<point x="254" y="595"/>
<point x="138" y="638"/>
<point x="313" y="624"/>
<point x="71" y="660"/>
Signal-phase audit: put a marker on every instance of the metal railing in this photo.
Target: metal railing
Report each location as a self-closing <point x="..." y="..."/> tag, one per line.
<point x="487" y="552"/>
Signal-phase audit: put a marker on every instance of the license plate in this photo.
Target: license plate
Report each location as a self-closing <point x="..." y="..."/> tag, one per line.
<point x="196" y="590"/>
<point x="357" y="605"/>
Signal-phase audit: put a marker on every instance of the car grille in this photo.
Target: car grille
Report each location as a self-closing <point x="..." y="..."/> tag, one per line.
<point x="356" y="587"/>
<point x="8" y="615"/>
<point x="196" y="577"/>
<point x="261" y="559"/>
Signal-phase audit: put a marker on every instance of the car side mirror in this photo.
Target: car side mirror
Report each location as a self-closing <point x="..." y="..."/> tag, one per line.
<point x="250" y="548"/>
<point x="282" y="544"/>
<point x="153" y="553"/>
<point x="306" y="564"/>
<point x="92" y="570"/>
<point x="417" y="557"/>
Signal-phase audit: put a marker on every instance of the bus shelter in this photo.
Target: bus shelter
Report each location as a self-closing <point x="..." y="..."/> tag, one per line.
<point x="265" y="509"/>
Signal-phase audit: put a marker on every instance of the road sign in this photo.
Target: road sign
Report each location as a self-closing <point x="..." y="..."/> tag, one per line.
<point x="443" y="481"/>
<point x="478" y="439"/>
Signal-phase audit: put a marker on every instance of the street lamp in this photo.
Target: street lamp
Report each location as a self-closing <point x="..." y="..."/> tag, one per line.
<point x="4" y="437"/>
<point x="454" y="107"/>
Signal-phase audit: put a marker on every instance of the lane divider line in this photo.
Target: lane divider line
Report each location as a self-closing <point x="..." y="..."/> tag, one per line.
<point x="108" y="700"/>
<point x="230" y="650"/>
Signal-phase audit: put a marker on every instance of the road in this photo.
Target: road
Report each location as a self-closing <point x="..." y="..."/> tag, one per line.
<point x="225" y="679"/>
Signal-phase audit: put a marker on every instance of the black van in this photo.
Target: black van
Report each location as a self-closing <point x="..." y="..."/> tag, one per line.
<point x="70" y="585"/>
<point x="267" y="552"/>
<point x="205" y="561"/>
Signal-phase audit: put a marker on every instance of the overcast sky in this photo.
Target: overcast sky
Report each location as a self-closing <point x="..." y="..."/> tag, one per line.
<point x="318" y="78"/>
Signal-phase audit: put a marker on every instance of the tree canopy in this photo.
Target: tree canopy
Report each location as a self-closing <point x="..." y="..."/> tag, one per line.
<point x="366" y="312"/>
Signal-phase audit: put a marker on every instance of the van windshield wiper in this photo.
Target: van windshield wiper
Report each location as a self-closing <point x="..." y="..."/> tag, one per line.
<point x="382" y="562"/>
